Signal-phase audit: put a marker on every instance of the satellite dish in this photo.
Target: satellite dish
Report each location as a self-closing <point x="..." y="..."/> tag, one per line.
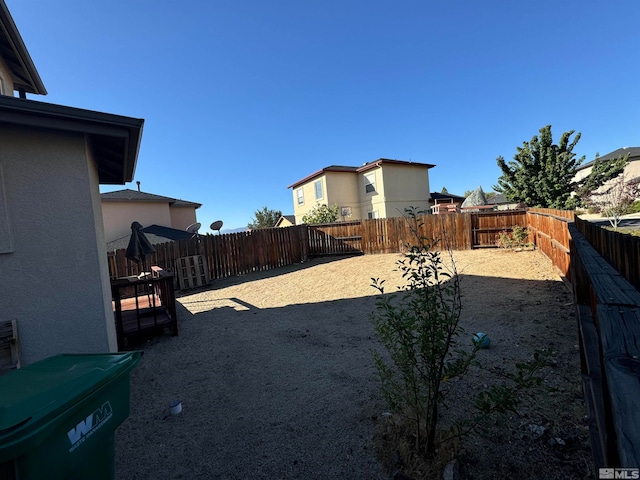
<point x="217" y="225"/>
<point x="193" y="228"/>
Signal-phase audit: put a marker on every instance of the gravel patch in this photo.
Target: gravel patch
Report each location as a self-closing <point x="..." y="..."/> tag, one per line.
<point x="275" y="374"/>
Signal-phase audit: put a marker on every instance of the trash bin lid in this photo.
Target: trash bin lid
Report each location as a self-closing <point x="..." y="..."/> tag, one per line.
<point x="46" y="388"/>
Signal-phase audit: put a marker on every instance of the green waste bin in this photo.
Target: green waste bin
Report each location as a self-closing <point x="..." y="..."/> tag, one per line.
<point x="58" y="416"/>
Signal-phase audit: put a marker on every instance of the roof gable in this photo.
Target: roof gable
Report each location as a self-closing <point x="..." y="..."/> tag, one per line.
<point x="367" y="166"/>
<point x="14" y="52"/>
<point x="128" y="195"/>
<point x="113" y="139"/>
<point x="446" y="196"/>
<point x="632" y="151"/>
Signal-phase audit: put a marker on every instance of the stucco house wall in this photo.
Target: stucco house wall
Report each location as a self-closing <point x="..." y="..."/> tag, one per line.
<point x="50" y="278"/>
<point x="342" y="189"/>
<point x="372" y="201"/>
<point x="631" y="171"/>
<point x="309" y="196"/>
<point x="404" y="187"/>
<point x="182" y="217"/>
<point x="398" y="185"/>
<point x="118" y="216"/>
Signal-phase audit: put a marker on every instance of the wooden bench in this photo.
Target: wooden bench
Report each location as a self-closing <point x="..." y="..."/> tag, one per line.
<point x="9" y="347"/>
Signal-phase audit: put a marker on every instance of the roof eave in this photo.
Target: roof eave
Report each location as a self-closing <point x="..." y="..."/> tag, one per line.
<point x="386" y="161"/>
<point x="332" y="168"/>
<point x="115" y="139"/>
<point x="28" y="79"/>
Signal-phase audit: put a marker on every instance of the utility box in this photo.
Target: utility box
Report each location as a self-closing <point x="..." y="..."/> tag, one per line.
<point x="58" y="416"/>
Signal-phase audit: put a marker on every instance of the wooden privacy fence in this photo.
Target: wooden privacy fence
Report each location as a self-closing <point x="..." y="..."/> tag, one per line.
<point x="263" y="249"/>
<point x="460" y="231"/>
<point x="486" y="227"/>
<point x="383" y="235"/>
<point x="549" y="231"/>
<point x="609" y="334"/>
<point x="621" y="250"/>
<point x="226" y="255"/>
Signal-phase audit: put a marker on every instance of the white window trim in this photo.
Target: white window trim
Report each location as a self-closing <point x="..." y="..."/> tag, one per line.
<point x="300" y="196"/>
<point x="315" y="188"/>
<point x="370" y="179"/>
<point x="373" y="214"/>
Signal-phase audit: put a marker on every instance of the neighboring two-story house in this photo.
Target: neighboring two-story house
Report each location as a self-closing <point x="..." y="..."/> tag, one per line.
<point x="379" y="189"/>
<point x="631" y="171"/>
<point x="53" y="262"/>
<point x="122" y="207"/>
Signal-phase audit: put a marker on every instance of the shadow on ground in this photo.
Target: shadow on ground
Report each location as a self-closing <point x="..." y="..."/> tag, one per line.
<point x="291" y="392"/>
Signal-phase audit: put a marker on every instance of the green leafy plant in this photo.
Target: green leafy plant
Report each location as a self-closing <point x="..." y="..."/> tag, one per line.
<point x="542" y="173"/>
<point x="419" y="327"/>
<point x="516" y="239"/>
<point x="321" y="213"/>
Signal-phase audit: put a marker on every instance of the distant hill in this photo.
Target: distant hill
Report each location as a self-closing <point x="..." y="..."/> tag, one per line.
<point x="233" y="230"/>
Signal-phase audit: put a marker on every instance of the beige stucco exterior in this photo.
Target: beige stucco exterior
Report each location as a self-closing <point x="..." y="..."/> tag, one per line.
<point x="182" y="217"/>
<point x="284" y="222"/>
<point x="398" y="185"/>
<point x="118" y="216"/>
<point x="631" y="171"/>
<point x="55" y="281"/>
<point x="342" y="189"/>
<point x="402" y="186"/>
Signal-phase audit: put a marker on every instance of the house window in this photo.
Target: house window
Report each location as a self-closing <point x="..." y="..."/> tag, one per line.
<point x="370" y="183"/>
<point x="2" y="86"/>
<point x="373" y="214"/>
<point x="300" y="195"/>
<point x="318" y="187"/>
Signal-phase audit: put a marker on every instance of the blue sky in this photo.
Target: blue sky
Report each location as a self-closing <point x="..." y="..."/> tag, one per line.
<point x="241" y="98"/>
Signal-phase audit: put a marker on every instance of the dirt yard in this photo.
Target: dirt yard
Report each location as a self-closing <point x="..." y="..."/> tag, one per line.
<point x="276" y="379"/>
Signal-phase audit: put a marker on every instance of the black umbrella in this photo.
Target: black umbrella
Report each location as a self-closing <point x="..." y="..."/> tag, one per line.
<point x="139" y="246"/>
<point x="137" y="250"/>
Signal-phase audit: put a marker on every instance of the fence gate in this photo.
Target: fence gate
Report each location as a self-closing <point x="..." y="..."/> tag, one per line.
<point x="486" y="226"/>
<point x="192" y="272"/>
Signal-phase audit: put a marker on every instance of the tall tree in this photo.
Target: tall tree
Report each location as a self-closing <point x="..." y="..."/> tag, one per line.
<point x="265" y="218"/>
<point x="444" y="190"/>
<point x="541" y="173"/>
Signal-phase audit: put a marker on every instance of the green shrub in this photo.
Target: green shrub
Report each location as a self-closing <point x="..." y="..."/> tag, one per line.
<point x="420" y="329"/>
<point x="517" y="238"/>
<point x="633" y="208"/>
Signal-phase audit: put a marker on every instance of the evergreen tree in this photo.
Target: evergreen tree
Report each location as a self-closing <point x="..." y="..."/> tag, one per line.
<point x="601" y="172"/>
<point x="541" y="173"/>
<point x="265" y="218"/>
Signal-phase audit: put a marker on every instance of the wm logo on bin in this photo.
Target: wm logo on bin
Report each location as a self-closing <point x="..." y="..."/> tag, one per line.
<point x="85" y="428"/>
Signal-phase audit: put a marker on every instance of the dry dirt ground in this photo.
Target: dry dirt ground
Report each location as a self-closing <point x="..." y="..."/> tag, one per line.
<point x="276" y="379"/>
